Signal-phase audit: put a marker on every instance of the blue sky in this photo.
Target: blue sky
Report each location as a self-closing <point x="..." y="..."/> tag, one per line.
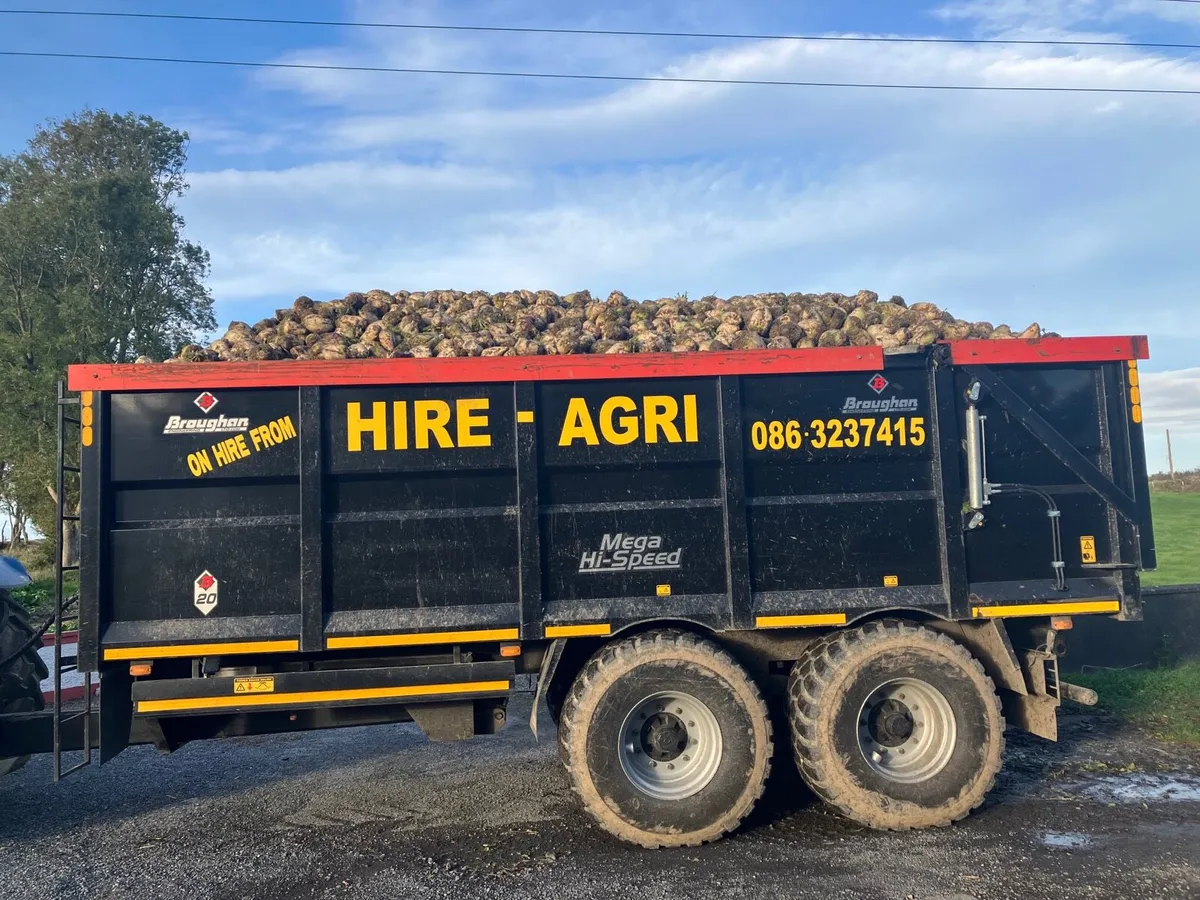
<point x="1081" y="212"/>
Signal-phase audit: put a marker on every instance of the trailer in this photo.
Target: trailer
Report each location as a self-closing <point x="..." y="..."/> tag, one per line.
<point x="871" y="556"/>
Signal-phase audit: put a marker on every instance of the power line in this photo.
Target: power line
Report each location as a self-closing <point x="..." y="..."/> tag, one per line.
<point x="571" y="76"/>
<point x="505" y="29"/>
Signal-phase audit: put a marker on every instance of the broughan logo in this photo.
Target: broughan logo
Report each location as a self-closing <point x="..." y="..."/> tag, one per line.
<point x="891" y="404"/>
<point x="630" y="553"/>
<point x="180" y="425"/>
<point x="879" y="384"/>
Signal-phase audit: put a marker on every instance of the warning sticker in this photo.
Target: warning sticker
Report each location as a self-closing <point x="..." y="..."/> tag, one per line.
<point x="891" y="581"/>
<point x="662" y="590"/>
<point x="1087" y="548"/>
<point x="254" y="684"/>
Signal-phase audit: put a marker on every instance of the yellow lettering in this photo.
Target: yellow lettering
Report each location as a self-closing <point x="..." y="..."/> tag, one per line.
<point x="276" y="432"/>
<point x="690" y="422"/>
<point x="220" y="453"/>
<point x="660" y="413"/>
<point x="467" y="422"/>
<point x="430" y="417"/>
<point x="376" y="425"/>
<point x="577" y="424"/>
<point x="289" y="430"/>
<point x="399" y="424"/>
<point x="199" y="463"/>
<point x="254" y="438"/>
<point x="629" y="424"/>
<point x="239" y="443"/>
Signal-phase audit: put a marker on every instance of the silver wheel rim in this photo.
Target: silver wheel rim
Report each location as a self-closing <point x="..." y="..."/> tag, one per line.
<point x="906" y="730"/>
<point x="670" y="745"/>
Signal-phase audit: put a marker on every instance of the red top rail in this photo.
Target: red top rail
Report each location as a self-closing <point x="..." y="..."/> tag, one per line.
<point x="457" y="370"/>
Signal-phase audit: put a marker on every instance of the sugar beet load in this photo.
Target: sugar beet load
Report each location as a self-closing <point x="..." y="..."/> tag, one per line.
<point x="528" y="323"/>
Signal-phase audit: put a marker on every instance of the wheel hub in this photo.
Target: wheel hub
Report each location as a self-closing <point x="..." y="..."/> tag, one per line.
<point x="906" y="730"/>
<point x="664" y="737"/>
<point x="670" y="745"/>
<point x="891" y="723"/>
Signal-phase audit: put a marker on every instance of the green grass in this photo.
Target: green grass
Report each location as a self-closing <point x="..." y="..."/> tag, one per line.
<point x="38" y="597"/>
<point x="1177" y="539"/>
<point x="1164" y="702"/>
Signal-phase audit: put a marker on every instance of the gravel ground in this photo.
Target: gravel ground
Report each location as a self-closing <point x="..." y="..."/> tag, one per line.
<point x="382" y="813"/>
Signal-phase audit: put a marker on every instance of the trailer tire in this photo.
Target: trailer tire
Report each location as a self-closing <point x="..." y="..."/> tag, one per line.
<point x="666" y="739"/>
<point x="895" y="726"/>
<point x="21" y="680"/>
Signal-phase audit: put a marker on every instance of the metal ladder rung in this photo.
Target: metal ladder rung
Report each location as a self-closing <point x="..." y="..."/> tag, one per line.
<point x="71" y="421"/>
<point x="71" y="469"/>
<point x="70" y="518"/>
<point x="71" y="568"/>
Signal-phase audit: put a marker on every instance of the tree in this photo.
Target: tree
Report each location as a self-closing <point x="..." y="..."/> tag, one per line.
<point x="93" y="268"/>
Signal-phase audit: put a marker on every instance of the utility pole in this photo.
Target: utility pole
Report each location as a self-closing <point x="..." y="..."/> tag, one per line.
<point x="1170" y="458"/>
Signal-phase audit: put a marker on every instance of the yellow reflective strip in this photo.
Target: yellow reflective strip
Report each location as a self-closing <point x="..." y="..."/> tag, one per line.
<point x="429" y="637"/>
<point x="525" y="416"/>
<point x="562" y="631"/>
<point x="1047" y="609"/>
<point x="800" y="621"/>
<point x="386" y="693"/>
<point x="175" y="650"/>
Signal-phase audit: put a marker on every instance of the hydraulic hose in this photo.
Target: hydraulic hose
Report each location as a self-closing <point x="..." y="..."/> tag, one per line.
<point x="1053" y="513"/>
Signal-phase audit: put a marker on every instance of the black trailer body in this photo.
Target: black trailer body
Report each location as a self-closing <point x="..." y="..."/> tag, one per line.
<point x="266" y="544"/>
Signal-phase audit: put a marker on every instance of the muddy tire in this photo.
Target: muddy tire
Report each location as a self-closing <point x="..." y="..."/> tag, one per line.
<point x="20" y="681"/>
<point x="895" y="726"/>
<point x="666" y="739"/>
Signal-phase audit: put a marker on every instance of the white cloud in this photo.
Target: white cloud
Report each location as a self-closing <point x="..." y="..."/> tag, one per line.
<point x="1171" y="401"/>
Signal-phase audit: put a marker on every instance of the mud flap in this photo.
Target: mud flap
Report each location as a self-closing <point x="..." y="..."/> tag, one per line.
<point x="116" y="711"/>
<point x="545" y="677"/>
<point x="1037" y="710"/>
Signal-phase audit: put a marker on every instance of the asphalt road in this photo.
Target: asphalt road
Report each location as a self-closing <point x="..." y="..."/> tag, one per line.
<point x="382" y="813"/>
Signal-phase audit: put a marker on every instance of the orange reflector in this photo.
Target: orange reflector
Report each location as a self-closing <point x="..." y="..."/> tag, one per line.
<point x="510" y="650"/>
<point x="85" y="397"/>
<point x="140" y="670"/>
<point x="88" y="416"/>
<point x="1137" y="414"/>
<point x="85" y="435"/>
<point x="1061" y="623"/>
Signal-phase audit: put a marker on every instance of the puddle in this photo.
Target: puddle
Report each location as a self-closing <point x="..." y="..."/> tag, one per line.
<point x="1144" y="789"/>
<point x="1066" y="840"/>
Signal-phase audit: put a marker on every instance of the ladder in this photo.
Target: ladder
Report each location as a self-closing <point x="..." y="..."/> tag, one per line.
<point x="63" y="483"/>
